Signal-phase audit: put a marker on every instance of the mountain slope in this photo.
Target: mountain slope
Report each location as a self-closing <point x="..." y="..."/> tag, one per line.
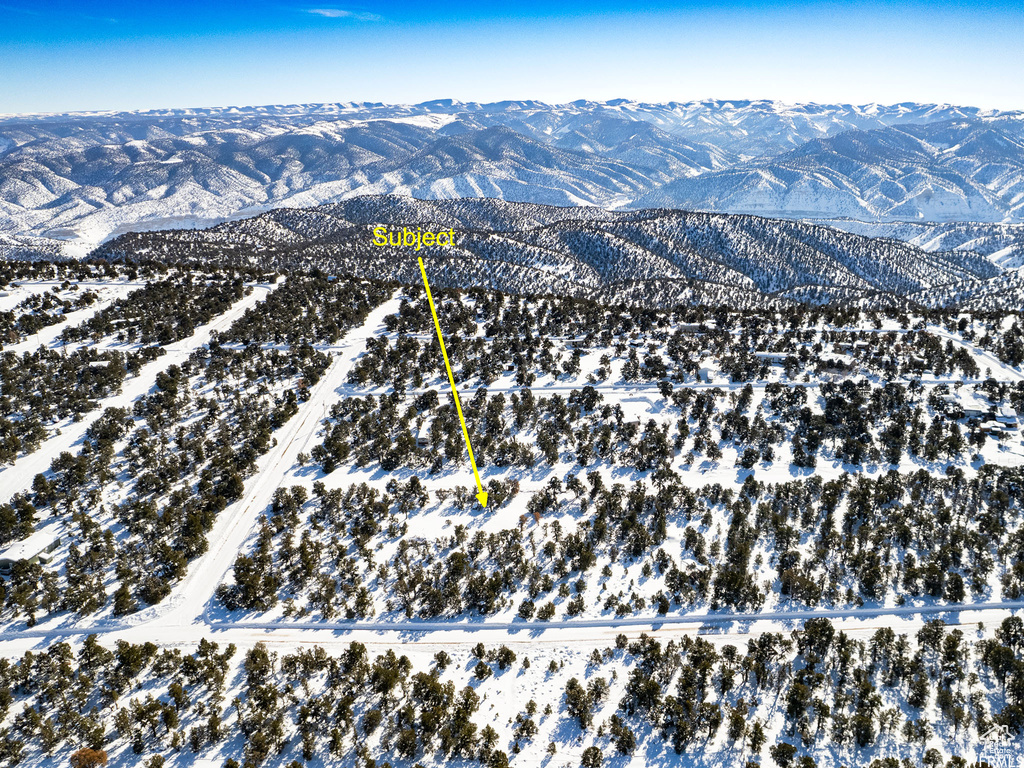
<point x="662" y="256"/>
<point x="85" y="177"/>
<point x="951" y="171"/>
<point x="1003" y="244"/>
<point x="498" y="162"/>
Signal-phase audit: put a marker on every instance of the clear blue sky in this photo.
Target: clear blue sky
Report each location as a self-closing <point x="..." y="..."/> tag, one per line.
<point x="76" y="55"/>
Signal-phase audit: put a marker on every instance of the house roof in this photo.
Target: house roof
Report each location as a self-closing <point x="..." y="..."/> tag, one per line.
<point x="35" y="544"/>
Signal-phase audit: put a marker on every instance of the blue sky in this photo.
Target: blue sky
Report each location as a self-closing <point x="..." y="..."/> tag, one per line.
<point x="72" y="55"/>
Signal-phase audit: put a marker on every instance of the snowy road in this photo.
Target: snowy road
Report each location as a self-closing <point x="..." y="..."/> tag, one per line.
<point x="1009" y="373"/>
<point x="188" y="601"/>
<point x="47" y="337"/>
<point x="644" y="388"/>
<point x="173" y="628"/>
<point x="1001" y="372"/>
<point x="183" y="613"/>
<point x="186" y="615"/>
<point x="18" y="476"/>
<point x="699" y="619"/>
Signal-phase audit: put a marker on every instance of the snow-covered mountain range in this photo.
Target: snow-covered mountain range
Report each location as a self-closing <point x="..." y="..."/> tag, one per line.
<point x="81" y="178"/>
<point x="957" y="170"/>
<point x="651" y="257"/>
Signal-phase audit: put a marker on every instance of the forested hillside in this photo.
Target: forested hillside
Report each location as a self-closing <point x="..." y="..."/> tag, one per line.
<point x="71" y="181"/>
<point x="658" y="257"/>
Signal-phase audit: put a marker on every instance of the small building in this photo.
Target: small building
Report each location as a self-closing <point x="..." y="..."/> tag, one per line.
<point x="571" y="342"/>
<point x="38" y="547"/>
<point x="973" y="412"/>
<point x="775" y="358"/>
<point x="423" y="435"/>
<point x="1007" y="416"/>
<point x="708" y="373"/>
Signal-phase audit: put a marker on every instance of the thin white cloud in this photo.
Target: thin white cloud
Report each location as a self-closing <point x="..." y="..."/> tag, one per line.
<point x="340" y="13"/>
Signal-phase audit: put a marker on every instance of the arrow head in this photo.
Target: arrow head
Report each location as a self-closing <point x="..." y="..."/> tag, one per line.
<point x="482" y="498"/>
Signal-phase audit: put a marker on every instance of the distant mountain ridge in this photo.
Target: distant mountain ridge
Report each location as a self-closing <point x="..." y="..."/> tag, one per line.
<point x="949" y="171"/>
<point x="1003" y="244"/>
<point x="85" y="177"/>
<point x="651" y="256"/>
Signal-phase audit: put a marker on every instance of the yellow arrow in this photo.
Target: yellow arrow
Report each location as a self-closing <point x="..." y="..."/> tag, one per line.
<point x="482" y="494"/>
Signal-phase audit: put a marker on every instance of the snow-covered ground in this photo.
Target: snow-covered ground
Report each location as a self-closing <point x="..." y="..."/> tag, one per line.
<point x="558" y="649"/>
<point x="193" y="609"/>
<point x="18" y="476"/>
<point x="190" y="600"/>
<point x="107" y="292"/>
